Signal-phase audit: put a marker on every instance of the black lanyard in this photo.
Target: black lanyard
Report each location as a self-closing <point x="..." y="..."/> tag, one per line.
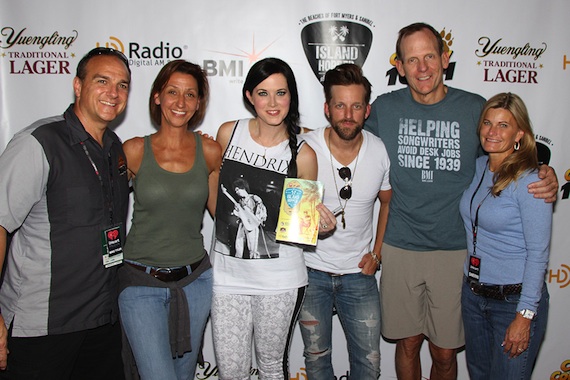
<point x="475" y="222"/>
<point x="107" y="197"/>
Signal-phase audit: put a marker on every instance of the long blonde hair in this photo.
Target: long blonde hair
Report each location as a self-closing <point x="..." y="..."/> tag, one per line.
<point x="521" y="160"/>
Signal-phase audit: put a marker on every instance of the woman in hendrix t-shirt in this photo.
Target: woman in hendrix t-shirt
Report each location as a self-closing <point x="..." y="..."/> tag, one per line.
<point x="259" y="283"/>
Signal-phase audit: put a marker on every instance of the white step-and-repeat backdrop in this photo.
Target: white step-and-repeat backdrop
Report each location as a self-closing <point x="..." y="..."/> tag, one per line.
<point x="522" y="47"/>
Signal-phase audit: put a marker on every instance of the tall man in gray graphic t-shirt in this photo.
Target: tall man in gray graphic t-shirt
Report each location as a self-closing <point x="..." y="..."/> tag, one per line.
<point x="430" y="133"/>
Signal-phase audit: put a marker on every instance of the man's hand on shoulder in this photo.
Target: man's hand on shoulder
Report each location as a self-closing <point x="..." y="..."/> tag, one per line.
<point x="205" y="135"/>
<point x="547" y="187"/>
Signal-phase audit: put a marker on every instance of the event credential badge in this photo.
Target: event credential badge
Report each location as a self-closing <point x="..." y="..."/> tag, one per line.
<point x="298" y="217"/>
<point x="112" y="246"/>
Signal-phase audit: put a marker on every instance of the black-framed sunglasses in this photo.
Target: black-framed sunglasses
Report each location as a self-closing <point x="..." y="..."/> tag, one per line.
<point x="346" y="175"/>
<point x="101" y="50"/>
<point x="107" y="51"/>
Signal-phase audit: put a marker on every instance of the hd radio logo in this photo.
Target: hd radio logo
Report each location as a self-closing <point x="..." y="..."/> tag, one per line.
<point x="509" y="62"/>
<point x="141" y="54"/>
<point x="330" y="39"/>
<point x="559" y="276"/>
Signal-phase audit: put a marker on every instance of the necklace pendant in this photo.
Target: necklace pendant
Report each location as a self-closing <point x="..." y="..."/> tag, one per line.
<point x="343" y="221"/>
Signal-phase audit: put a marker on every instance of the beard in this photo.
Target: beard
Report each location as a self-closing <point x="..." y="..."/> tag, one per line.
<point x="347" y="133"/>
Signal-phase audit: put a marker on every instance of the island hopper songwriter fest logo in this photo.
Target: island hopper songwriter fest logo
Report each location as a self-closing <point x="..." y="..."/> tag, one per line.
<point x="331" y="39"/>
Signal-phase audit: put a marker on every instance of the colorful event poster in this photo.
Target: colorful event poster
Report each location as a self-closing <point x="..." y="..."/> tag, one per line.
<point x="298" y="217"/>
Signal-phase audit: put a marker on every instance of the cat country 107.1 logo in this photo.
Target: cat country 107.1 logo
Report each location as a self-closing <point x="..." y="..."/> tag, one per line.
<point x="330" y="39"/>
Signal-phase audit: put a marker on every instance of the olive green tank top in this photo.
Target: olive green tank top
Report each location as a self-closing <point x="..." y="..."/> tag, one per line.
<point x="168" y="212"/>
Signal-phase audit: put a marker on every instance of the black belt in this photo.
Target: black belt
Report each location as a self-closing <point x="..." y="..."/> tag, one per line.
<point x="496" y="292"/>
<point x="329" y="273"/>
<point x="167" y="274"/>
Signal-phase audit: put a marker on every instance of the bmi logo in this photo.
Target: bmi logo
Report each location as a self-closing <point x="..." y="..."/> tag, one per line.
<point x="329" y="43"/>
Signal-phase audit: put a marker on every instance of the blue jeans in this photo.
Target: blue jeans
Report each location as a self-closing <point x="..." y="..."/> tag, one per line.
<point x="144" y="314"/>
<point x="486" y="321"/>
<point x="357" y="302"/>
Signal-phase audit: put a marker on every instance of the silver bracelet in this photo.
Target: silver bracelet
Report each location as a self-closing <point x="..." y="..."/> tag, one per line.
<point x="378" y="262"/>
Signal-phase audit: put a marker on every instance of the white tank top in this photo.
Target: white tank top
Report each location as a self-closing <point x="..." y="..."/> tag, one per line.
<point x="245" y="257"/>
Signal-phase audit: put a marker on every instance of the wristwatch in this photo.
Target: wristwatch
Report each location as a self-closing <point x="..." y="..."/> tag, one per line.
<point x="528" y="314"/>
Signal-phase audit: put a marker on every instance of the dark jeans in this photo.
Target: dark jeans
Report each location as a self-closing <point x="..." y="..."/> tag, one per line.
<point x="83" y="355"/>
<point x="486" y="321"/>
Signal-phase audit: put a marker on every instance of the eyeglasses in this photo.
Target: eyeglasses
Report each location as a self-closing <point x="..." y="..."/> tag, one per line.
<point x="346" y="175"/>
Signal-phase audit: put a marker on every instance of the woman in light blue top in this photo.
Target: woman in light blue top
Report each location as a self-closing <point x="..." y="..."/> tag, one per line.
<point x="504" y="298"/>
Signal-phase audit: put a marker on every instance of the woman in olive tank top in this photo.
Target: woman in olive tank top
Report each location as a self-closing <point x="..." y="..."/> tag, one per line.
<point x="166" y="282"/>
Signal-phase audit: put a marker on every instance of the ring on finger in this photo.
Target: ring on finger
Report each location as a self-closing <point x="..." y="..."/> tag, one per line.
<point x="325" y="226"/>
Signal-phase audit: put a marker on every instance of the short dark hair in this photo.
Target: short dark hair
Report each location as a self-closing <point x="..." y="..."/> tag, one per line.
<point x="81" y="72"/>
<point x="344" y="75"/>
<point x="184" y="67"/>
<point x="413" y="28"/>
